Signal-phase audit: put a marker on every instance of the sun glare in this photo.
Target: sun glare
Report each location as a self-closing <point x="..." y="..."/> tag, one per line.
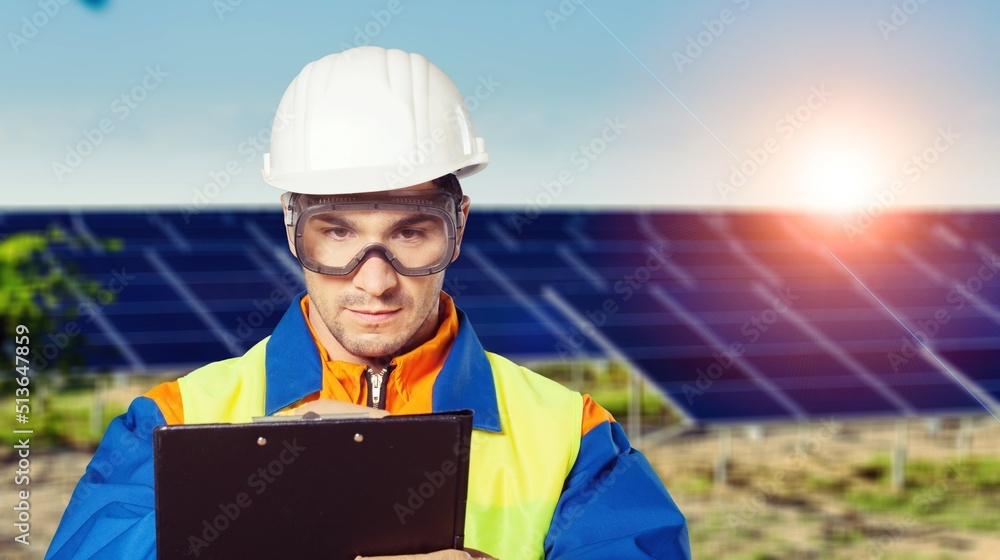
<point x="838" y="179"/>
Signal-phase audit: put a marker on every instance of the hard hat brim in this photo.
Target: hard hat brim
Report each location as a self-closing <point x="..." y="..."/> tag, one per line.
<point x="371" y="179"/>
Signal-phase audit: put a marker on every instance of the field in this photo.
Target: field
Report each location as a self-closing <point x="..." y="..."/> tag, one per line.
<point x="821" y="490"/>
<point x="824" y="491"/>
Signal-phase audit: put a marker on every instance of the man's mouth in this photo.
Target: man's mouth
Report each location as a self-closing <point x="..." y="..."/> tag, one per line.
<point x="373" y="316"/>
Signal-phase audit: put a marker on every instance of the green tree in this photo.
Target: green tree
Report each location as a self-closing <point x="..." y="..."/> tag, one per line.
<point x="38" y="291"/>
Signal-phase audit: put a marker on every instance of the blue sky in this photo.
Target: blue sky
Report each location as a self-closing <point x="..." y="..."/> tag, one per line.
<point x="822" y="104"/>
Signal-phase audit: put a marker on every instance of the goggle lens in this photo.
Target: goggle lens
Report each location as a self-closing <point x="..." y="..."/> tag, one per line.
<point x="415" y="235"/>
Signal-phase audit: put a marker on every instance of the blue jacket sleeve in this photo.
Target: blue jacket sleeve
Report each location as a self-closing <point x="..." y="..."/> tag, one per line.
<point x="111" y="513"/>
<point x="614" y="505"/>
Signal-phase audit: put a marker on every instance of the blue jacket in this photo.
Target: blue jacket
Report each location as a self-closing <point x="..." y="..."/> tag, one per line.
<point x="608" y="502"/>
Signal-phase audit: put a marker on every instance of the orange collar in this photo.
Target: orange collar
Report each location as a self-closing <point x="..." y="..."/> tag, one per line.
<point x="409" y="387"/>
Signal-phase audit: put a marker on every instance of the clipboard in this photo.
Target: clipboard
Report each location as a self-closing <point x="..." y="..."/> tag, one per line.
<point x="312" y="488"/>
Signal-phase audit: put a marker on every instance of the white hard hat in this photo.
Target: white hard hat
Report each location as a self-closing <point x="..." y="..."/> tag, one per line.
<point x="370" y="119"/>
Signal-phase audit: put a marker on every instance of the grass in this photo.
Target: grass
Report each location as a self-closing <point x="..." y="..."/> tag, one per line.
<point x="857" y="506"/>
<point x="694" y="484"/>
<point x="959" y="495"/>
<point x="62" y="418"/>
<point x="616" y="401"/>
<point x="609" y="386"/>
<point x="828" y="484"/>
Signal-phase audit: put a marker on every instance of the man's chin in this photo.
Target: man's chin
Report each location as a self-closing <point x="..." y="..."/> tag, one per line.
<point x="372" y="346"/>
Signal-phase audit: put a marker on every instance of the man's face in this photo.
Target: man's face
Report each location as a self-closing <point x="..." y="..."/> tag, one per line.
<point x="375" y="312"/>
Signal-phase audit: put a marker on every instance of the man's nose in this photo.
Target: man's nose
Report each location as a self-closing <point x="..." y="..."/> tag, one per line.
<point x="375" y="275"/>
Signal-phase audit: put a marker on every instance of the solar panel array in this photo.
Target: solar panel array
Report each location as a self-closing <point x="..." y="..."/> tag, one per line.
<point x="733" y="316"/>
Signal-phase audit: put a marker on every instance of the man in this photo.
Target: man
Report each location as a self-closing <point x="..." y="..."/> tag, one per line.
<point x="370" y="158"/>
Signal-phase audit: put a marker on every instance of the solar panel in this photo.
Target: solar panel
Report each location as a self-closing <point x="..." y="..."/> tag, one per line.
<point x="810" y="335"/>
<point x="733" y="316"/>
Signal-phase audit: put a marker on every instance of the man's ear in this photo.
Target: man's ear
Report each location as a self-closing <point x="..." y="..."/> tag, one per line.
<point x="463" y="216"/>
<point x="285" y="218"/>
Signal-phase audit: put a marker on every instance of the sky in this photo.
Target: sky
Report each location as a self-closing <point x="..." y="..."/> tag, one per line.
<point x="715" y="104"/>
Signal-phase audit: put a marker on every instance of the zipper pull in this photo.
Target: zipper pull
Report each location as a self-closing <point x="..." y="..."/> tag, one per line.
<point x="376" y="385"/>
<point x="375" y="381"/>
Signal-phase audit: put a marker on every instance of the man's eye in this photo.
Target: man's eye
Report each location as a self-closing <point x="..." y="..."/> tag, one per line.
<point x="337" y="232"/>
<point x="410" y="233"/>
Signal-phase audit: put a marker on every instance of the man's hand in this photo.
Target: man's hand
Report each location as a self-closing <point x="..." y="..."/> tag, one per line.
<point x="439" y="555"/>
<point x="326" y="406"/>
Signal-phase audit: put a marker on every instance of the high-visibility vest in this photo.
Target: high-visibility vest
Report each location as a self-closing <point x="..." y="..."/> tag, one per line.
<point x="515" y="476"/>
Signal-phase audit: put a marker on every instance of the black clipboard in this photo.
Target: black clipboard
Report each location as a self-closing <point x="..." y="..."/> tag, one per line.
<point x="312" y="488"/>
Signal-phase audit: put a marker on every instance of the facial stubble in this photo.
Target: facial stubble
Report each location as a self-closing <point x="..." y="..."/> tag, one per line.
<point x="372" y="344"/>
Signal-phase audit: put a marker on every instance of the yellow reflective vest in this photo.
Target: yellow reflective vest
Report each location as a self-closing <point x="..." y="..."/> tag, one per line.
<point x="538" y="486"/>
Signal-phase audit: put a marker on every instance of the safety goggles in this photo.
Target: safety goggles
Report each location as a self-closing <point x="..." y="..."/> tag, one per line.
<point x="335" y="234"/>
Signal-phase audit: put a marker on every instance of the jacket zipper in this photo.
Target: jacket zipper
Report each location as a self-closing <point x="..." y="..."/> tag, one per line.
<point x="375" y="381"/>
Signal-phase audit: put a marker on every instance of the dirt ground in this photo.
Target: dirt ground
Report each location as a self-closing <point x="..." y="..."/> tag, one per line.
<point x="764" y="511"/>
<point x="52" y="479"/>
